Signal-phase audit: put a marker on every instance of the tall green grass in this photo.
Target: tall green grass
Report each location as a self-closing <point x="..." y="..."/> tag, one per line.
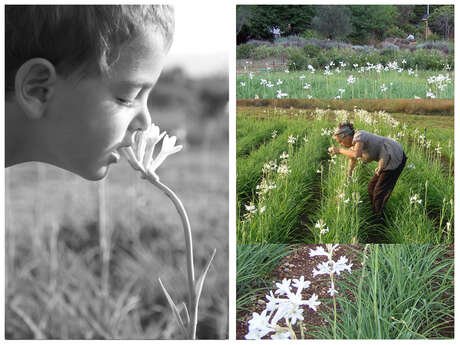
<point x="254" y="263"/>
<point x="249" y="169"/>
<point x="288" y="202"/>
<point x="259" y="132"/>
<point x="401" y="292"/>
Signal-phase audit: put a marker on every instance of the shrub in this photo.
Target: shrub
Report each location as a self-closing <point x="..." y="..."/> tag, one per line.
<point x="311" y="50"/>
<point x="309" y="34"/>
<point x="432" y="60"/>
<point x="297" y="61"/>
<point x="244" y="51"/>
<point x="394" y="31"/>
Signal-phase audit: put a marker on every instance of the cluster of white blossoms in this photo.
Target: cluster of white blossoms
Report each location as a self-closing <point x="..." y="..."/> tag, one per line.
<point x="326" y="132"/>
<point x="330" y="267"/>
<point x="321" y="226"/>
<point x="269" y="171"/>
<point x="283" y="305"/>
<point x="280" y="94"/>
<point x="415" y="199"/>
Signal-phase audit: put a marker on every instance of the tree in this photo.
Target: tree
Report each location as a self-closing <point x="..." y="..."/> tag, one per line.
<point x="371" y="21"/>
<point x="291" y="19"/>
<point x="332" y="21"/>
<point x="441" y="21"/>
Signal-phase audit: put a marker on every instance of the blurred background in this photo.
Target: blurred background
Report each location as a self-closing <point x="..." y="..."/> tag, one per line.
<point x="83" y="258"/>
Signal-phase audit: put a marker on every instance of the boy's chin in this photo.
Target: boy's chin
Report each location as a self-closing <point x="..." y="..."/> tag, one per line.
<point x="95" y="174"/>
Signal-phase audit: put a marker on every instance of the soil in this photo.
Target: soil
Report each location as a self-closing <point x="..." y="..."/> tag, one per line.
<point x="296" y="264"/>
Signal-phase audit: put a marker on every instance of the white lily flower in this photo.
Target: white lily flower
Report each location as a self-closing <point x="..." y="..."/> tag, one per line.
<point x="284" y="288"/>
<point x="139" y="154"/>
<point x="313" y="302"/>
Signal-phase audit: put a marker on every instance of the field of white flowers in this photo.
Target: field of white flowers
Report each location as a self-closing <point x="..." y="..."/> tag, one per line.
<point x="290" y="190"/>
<point x="343" y="81"/>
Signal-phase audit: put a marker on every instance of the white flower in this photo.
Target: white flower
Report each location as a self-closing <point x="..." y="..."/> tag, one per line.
<point x="340" y="265"/>
<point x="313" y="302"/>
<point x="291" y="139"/>
<point x="332" y="291"/>
<point x="307" y="86"/>
<point x="301" y="284"/>
<point x="415" y="199"/>
<point x="284" y="155"/>
<point x="140" y="153"/>
<point x="259" y="326"/>
<point x="272" y="302"/>
<point x="318" y="251"/>
<point x="274" y="134"/>
<point x="351" y="80"/>
<point x="283" y="169"/>
<point x="284" y="288"/>
<point x="302" y="77"/>
<point x="251" y="208"/>
<point x="262" y="209"/>
<point x="383" y="88"/>
<point x="280" y="94"/>
<point x="242" y="83"/>
<point x="279" y="82"/>
<point x="305" y="139"/>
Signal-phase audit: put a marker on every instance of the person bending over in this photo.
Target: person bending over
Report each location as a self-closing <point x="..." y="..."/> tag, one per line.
<point x="371" y="147"/>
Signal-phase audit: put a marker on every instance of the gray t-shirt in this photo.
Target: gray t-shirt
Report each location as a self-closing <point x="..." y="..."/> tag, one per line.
<point x="377" y="147"/>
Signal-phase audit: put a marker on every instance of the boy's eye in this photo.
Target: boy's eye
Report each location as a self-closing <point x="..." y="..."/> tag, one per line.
<point x="125" y="102"/>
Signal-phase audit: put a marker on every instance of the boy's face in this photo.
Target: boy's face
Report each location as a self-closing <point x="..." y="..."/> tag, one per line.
<point x="90" y="118"/>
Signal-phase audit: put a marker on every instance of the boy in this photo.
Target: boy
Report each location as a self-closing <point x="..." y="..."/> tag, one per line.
<point x="78" y="80"/>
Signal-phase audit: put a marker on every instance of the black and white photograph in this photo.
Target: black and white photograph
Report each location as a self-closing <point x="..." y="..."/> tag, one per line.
<point x="116" y="171"/>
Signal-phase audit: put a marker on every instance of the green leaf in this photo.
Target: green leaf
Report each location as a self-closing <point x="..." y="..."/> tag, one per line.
<point x="200" y="281"/>
<point x="174" y="310"/>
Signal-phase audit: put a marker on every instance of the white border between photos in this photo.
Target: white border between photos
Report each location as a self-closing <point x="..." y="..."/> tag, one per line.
<point x="230" y="21"/>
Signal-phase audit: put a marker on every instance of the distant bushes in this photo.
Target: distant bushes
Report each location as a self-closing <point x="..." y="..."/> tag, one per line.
<point x="302" y="52"/>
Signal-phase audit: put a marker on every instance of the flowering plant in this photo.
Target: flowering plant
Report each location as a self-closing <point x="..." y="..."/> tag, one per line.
<point x="284" y="307"/>
<point x="140" y="155"/>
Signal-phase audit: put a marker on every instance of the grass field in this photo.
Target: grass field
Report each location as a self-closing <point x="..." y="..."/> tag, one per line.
<point x="295" y="192"/>
<point x="361" y="83"/>
<point x="83" y="262"/>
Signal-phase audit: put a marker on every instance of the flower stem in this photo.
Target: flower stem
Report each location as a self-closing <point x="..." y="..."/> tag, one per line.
<point x="189" y="248"/>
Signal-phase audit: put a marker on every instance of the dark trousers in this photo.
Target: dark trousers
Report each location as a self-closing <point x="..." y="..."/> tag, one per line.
<point x="381" y="186"/>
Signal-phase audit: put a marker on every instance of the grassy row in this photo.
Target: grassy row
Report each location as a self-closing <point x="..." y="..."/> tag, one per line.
<point x="285" y="204"/>
<point x="249" y="169"/>
<point x="425" y="222"/>
<point x="259" y="132"/>
<point x="345" y="208"/>
<point x="254" y="263"/>
<point x="400" y="292"/>
<point x="368" y="85"/>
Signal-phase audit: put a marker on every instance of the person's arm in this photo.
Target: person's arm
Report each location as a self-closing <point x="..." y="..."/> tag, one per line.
<point x="352" y="166"/>
<point x="353" y="153"/>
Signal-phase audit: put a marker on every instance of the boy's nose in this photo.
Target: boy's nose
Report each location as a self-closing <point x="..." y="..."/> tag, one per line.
<point x="142" y="120"/>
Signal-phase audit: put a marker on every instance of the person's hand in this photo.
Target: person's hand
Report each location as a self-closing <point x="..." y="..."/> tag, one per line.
<point x="378" y="171"/>
<point x="333" y="150"/>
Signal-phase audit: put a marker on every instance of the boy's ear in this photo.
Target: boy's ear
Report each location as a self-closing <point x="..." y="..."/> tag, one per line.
<point x="34" y="86"/>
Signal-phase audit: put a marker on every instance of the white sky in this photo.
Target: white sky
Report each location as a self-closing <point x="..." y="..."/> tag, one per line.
<point x="203" y="36"/>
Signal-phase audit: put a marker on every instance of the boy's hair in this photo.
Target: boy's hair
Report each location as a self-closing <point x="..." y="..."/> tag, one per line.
<point x="77" y="36"/>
